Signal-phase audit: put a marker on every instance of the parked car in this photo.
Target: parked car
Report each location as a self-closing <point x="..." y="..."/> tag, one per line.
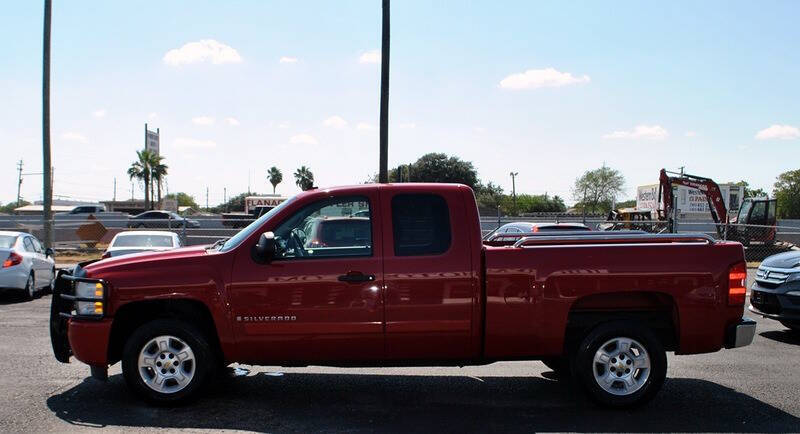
<point x="125" y="243"/>
<point x="775" y="294"/>
<point x="161" y="219"/>
<point x="510" y="233"/>
<point x="27" y="267"/>
<point x="88" y="209"/>
<point x="418" y="288"/>
<point x="337" y="232"/>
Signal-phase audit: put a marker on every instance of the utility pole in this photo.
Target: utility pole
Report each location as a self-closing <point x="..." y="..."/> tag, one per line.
<point x="225" y="197"/>
<point x="206" y="198"/>
<point x="383" y="171"/>
<point x="514" y="188"/>
<point x="131" y="192"/>
<point x="19" y="183"/>
<point x="47" y="166"/>
<point x="115" y="189"/>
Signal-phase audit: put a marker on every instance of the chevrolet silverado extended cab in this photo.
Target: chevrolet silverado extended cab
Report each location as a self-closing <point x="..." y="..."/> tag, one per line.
<point x="414" y="286"/>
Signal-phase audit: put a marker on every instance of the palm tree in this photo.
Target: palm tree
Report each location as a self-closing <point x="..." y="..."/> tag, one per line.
<point x="275" y="177"/>
<point x="304" y="178"/>
<point x="158" y="171"/>
<point x="141" y="170"/>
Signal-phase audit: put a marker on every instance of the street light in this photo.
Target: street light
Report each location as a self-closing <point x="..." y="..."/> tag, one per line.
<point x="514" y="189"/>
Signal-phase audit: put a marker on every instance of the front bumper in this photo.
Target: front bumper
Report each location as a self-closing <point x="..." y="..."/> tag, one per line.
<point x="70" y="334"/>
<point x="773" y="303"/>
<point x="740" y="334"/>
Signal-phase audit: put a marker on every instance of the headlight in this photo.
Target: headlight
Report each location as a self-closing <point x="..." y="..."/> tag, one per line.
<point x="90" y="298"/>
<point x="793" y="293"/>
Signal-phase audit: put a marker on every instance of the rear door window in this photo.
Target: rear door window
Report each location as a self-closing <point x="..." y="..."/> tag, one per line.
<point x="421" y="225"/>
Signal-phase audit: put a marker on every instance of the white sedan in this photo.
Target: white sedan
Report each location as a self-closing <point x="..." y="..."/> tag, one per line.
<point x="127" y="242"/>
<point x="26" y="265"/>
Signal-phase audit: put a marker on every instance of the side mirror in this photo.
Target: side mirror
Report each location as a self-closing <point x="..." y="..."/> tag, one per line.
<point x="48" y="252"/>
<point x="264" y="250"/>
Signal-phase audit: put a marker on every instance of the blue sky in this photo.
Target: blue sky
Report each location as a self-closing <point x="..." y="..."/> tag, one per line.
<point x="546" y="89"/>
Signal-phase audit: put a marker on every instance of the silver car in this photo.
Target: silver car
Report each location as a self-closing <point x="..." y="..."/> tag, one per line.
<point x="25" y="265"/>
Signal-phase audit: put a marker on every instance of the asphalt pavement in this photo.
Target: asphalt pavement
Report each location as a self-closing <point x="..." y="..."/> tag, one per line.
<point x="751" y="389"/>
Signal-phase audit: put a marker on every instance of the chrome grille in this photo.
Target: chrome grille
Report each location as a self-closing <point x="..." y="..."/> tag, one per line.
<point x="773" y="276"/>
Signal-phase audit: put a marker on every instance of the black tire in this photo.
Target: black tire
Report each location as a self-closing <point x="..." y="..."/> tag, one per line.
<point x="584" y="367"/>
<point x="204" y="360"/>
<point x="559" y="365"/>
<point x="30" y="287"/>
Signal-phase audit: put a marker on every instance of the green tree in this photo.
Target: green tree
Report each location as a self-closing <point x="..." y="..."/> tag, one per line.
<point x="141" y="170"/>
<point x="275" y="177"/>
<point x="787" y="192"/>
<point x="597" y="189"/>
<point x="11" y="206"/>
<point x="437" y="167"/>
<point x="750" y="192"/>
<point x="489" y="196"/>
<point x="303" y="178"/>
<point x="184" y="199"/>
<point x="626" y="204"/>
<point x="528" y="204"/>
<point x="158" y="173"/>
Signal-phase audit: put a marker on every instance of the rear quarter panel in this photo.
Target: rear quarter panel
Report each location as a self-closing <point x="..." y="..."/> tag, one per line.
<point x="530" y="291"/>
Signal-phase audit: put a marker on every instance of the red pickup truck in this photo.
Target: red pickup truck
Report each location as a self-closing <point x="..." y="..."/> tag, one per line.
<point x="415" y="287"/>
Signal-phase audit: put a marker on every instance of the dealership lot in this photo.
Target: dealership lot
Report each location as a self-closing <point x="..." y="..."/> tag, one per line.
<point x="751" y="389"/>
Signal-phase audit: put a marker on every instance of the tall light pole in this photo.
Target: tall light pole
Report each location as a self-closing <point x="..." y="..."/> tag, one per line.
<point x="47" y="166"/>
<point x="383" y="171"/>
<point x="514" y="188"/>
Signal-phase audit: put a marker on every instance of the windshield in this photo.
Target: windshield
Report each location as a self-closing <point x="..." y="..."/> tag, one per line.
<point x="141" y="240"/>
<point x="7" y="241"/>
<point x="742" y="219"/>
<point x="252" y="227"/>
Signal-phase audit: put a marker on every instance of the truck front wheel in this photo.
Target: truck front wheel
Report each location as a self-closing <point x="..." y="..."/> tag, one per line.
<point x="167" y="361"/>
<point x="620" y="364"/>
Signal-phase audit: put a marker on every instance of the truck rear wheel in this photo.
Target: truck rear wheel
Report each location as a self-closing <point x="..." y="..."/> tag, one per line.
<point x="167" y="361"/>
<point x="620" y="364"/>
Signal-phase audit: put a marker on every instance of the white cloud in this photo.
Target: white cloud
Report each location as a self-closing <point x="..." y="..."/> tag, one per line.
<point x="188" y="143"/>
<point x="335" y="122"/>
<point x="283" y="125"/>
<point x="690" y="134"/>
<point x="536" y="78"/>
<point x="372" y="56"/>
<point x="479" y="129"/>
<point x="407" y="125"/>
<point x="287" y="59"/>
<point x="203" y="120"/>
<point x="100" y="113"/>
<point x="650" y="132"/>
<point x="232" y="121"/>
<point x="74" y="137"/>
<point x="205" y="50"/>
<point x="152" y="115"/>
<point x="363" y="126"/>
<point x="303" y="139"/>
<point x="784" y="132"/>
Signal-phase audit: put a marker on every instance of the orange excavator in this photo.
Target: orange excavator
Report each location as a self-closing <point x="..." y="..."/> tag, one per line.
<point x="755" y="222"/>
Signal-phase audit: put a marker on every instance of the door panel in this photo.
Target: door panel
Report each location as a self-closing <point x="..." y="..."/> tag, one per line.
<point x="429" y="294"/>
<point x="310" y="304"/>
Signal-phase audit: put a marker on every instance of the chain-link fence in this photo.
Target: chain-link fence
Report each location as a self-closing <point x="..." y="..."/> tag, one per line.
<point x="85" y="237"/>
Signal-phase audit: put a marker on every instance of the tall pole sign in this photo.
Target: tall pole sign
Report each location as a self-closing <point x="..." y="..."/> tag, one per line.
<point x="383" y="173"/>
<point x="152" y="140"/>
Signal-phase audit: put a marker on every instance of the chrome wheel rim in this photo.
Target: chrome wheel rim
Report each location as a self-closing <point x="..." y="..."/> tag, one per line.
<point x="166" y="364"/>
<point x="621" y="366"/>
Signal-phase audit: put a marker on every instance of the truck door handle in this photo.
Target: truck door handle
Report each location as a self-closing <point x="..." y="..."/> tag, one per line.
<point x="356" y="277"/>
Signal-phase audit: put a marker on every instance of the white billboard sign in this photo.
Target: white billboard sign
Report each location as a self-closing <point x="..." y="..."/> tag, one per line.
<point x="151" y="140"/>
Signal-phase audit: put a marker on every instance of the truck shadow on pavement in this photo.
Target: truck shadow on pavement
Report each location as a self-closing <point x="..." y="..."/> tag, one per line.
<point x="341" y="402"/>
